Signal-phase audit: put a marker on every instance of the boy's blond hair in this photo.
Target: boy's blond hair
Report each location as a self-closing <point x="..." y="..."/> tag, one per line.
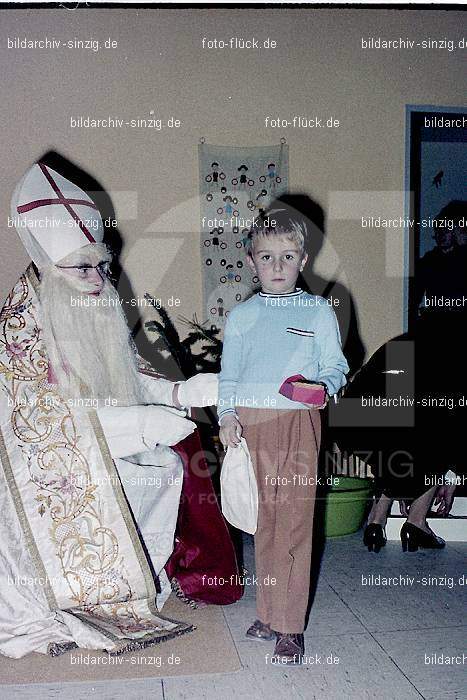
<point x="278" y="222"/>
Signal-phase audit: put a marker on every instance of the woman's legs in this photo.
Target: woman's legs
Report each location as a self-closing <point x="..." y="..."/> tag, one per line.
<point x="419" y="509"/>
<point x="417" y="513"/>
<point x="379" y="511"/>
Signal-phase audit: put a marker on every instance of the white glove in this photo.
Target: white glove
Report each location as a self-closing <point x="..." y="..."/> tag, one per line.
<point x="133" y="429"/>
<point x="165" y="425"/>
<point x="201" y="390"/>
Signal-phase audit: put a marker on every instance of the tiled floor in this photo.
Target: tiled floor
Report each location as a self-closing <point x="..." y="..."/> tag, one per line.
<point x="364" y="639"/>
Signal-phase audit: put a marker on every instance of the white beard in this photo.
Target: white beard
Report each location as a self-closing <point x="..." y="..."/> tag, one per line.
<point x="88" y="348"/>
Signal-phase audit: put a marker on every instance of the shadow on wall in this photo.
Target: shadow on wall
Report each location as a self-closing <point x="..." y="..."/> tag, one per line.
<point x="313" y="283"/>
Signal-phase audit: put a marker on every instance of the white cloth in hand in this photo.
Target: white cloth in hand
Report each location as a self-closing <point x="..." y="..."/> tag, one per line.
<point x="198" y="391"/>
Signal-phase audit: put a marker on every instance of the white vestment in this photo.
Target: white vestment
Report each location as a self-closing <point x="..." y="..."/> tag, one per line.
<point x="76" y="485"/>
<point x="152" y="479"/>
<point x="72" y="567"/>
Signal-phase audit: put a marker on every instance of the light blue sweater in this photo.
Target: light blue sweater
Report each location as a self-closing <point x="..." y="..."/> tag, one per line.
<point x="270" y="337"/>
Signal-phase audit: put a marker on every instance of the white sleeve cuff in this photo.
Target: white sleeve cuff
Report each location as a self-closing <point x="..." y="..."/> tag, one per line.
<point x="226" y="412"/>
<point x="157" y="390"/>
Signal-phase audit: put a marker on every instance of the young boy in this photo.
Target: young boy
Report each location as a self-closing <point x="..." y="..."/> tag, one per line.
<point x="279" y="332"/>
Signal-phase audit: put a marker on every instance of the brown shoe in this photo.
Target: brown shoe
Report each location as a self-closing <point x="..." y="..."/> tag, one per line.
<point x="259" y="630"/>
<point x="289" y="648"/>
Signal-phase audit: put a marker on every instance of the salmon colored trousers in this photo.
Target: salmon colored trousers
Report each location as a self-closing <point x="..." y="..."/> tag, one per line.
<point x="284" y="447"/>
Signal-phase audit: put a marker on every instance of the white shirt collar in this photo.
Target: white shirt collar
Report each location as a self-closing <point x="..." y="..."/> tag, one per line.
<point x="296" y="293"/>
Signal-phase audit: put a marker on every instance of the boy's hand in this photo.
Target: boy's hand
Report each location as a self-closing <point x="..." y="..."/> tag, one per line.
<point x="326" y="398"/>
<point x="230" y="431"/>
<point x="312" y="405"/>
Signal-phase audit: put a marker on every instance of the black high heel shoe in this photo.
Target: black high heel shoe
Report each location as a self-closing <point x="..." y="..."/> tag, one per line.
<point x="373" y="537"/>
<point x="412" y="537"/>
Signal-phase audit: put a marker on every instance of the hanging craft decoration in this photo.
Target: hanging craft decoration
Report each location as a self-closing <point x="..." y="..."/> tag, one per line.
<point x="236" y="185"/>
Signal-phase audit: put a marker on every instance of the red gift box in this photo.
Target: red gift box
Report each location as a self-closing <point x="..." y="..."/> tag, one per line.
<point x="297" y="388"/>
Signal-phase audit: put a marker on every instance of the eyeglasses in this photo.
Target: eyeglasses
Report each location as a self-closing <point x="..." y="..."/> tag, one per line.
<point x="83" y="270"/>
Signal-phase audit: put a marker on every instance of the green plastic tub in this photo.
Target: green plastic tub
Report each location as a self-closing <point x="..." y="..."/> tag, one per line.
<point x="345" y="505"/>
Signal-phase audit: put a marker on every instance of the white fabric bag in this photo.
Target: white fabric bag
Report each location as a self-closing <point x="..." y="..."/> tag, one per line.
<point x="239" y="490"/>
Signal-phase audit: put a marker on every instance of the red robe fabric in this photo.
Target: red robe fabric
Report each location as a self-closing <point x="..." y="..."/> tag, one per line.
<point x="203" y="547"/>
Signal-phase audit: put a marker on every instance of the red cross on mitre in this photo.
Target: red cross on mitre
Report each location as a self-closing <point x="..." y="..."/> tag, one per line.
<point x="61" y="199"/>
